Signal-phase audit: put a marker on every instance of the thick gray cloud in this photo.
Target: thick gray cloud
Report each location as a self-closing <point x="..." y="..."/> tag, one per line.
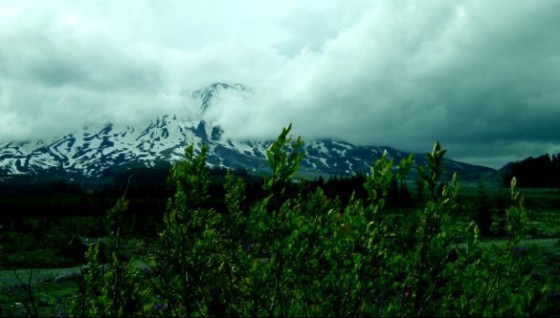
<point x="479" y="76"/>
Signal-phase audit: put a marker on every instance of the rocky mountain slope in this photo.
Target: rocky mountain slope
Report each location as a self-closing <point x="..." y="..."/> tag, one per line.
<point x="95" y="150"/>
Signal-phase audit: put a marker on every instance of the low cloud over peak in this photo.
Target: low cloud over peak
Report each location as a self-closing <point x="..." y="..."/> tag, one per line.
<point x="399" y="73"/>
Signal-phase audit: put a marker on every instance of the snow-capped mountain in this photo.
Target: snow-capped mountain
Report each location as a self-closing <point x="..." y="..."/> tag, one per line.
<point x="94" y="150"/>
<point x="207" y="94"/>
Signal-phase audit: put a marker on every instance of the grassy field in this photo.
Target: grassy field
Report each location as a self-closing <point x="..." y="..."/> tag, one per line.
<point x="47" y="288"/>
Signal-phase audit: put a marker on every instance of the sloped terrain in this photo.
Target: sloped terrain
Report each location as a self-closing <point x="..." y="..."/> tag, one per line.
<point x="95" y="150"/>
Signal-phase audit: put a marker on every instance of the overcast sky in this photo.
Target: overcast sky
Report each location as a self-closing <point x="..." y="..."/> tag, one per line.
<point x="482" y="77"/>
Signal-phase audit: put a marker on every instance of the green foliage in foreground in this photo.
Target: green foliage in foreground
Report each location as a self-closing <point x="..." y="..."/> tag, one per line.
<point x="298" y="254"/>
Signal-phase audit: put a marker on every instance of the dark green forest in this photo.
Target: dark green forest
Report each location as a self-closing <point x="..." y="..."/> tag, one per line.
<point x="542" y="171"/>
<point x="183" y="240"/>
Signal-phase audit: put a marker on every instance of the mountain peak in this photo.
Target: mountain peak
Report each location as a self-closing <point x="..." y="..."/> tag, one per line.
<point x="208" y="93"/>
<point x="101" y="148"/>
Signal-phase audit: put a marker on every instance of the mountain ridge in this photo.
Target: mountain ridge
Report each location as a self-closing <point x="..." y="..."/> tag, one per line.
<point x="98" y="148"/>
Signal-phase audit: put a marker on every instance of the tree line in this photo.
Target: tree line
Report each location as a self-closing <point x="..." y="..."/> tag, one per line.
<point x="542" y="171"/>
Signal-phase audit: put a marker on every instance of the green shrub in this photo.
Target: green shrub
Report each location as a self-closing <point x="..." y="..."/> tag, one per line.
<point x="296" y="253"/>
